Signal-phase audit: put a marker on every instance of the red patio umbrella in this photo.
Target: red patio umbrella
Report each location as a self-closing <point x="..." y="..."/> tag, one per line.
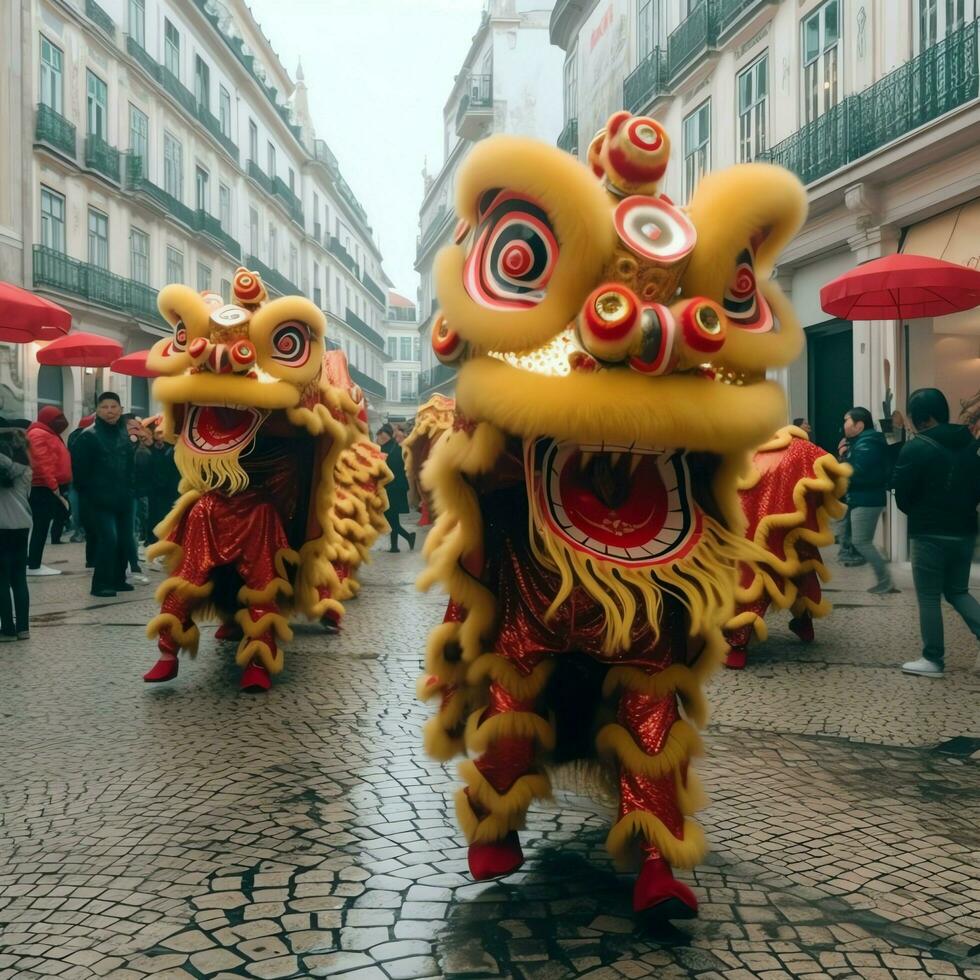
<point x="25" y="317"/>
<point x="134" y="365"/>
<point x="902" y="287"/>
<point x="80" y="350"/>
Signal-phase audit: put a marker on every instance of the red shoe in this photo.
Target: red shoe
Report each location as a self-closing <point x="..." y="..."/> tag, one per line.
<point x="803" y="628"/>
<point x="229" y="631"/>
<point x="659" y="896"/>
<point x="165" y="669"/>
<point x="735" y="658"/>
<point x="255" y="678"/>
<point x="496" y="859"/>
<point x="330" y="621"/>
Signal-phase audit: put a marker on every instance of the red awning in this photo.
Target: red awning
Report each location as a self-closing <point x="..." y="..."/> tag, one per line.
<point x="902" y="287"/>
<point x="134" y="365"/>
<point x="80" y="350"/>
<point x="25" y="317"/>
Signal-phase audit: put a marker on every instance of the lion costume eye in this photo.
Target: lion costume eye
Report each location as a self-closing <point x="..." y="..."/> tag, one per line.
<point x="179" y="342"/>
<point x="291" y="343"/>
<point x="743" y="302"/>
<point x="513" y="255"/>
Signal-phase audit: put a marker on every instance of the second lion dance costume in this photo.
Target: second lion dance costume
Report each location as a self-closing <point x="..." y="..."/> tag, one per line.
<point x="281" y="490"/>
<point x="612" y="350"/>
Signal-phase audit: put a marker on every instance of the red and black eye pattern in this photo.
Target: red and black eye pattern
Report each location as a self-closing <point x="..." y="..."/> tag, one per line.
<point x="742" y="301"/>
<point x="291" y="343"/>
<point x="179" y="342"/>
<point x="514" y="253"/>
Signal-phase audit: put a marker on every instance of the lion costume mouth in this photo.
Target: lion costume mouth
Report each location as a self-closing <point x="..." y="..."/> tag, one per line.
<point x="213" y="429"/>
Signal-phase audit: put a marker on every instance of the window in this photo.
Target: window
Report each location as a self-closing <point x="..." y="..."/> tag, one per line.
<point x="202" y="189"/>
<point x="292" y="180"/>
<point x="253" y="141"/>
<point x="406" y="348"/>
<point x="821" y="73"/>
<point x="336" y="294"/>
<point x="98" y="106"/>
<point x="224" y="111"/>
<point x="937" y="19"/>
<point x="273" y="246"/>
<point x="50" y="386"/>
<point x="408" y="385"/>
<point x="293" y="263"/>
<point x="202" y="82"/>
<point x="137" y="21"/>
<point x="139" y="135"/>
<point x="171" y="48"/>
<point x="393" y="348"/>
<point x="173" y="167"/>
<point x="52" y="85"/>
<point x="317" y="297"/>
<point x="224" y="207"/>
<point x="391" y="388"/>
<point x="139" y="397"/>
<point x="697" y="146"/>
<point x="753" y="91"/>
<point x="52" y="220"/>
<point x="226" y="290"/>
<point x="571" y="84"/>
<point x="270" y="157"/>
<point x="647" y="28"/>
<point x="203" y="277"/>
<point x="98" y="239"/>
<point x="253" y="231"/>
<point x="416" y="346"/>
<point x="175" y="264"/>
<point x="139" y="256"/>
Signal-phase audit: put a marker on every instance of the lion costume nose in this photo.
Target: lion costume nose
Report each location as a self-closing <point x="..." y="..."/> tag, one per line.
<point x="238" y="357"/>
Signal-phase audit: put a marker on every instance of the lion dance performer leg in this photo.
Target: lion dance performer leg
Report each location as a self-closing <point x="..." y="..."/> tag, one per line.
<point x="612" y="350"/>
<point x="259" y="429"/>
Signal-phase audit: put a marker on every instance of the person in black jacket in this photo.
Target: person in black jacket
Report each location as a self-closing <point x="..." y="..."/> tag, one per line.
<point x="397" y="490"/>
<point x="163" y="480"/>
<point x="867" y="491"/>
<point x="937" y="483"/>
<point x="102" y="466"/>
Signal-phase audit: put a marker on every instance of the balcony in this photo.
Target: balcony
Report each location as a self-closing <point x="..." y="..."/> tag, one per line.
<point x="326" y="156"/>
<point x="935" y="82"/>
<point x="369" y="334"/>
<point x="213" y="125"/>
<point x="101" y="157"/>
<point x="211" y="226"/>
<point x="373" y="288"/>
<point x="475" y="107"/>
<point x="568" y="138"/>
<point x="367" y="383"/>
<point x="697" y="34"/>
<point x="179" y="92"/>
<point x="405" y="314"/>
<point x="733" y="14"/>
<point x="317" y="231"/>
<point x="293" y="204"/>
<point x="334" y="247"/>
<point x="318" y="297"/>
<point x="276" y="281"/>
<point x="138" y="53"/>
<point x="259" y="176"/>
<point x="435" y="377"/>
<point x="55" y="270"/>
<point x="54" y="130"/>
<point x="138" y="183"/>
<point x="100" y="18"/>
<point x="646" y="83"/>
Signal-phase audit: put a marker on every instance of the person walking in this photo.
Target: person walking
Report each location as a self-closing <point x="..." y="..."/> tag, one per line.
<point x="51" y="467"/>
<point x="15" y="528"/>
<point x="162" y="485"/>
<point x="937" y="484"/>
<point x="102" y="463"/>
<point x="867" y="492"/>
<point x="397" y="489"/>
<point x="77" y="517"/>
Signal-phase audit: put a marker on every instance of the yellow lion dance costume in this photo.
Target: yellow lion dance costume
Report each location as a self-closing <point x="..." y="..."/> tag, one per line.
<point x="612" y="351"/>
<point x="280" y="487"/>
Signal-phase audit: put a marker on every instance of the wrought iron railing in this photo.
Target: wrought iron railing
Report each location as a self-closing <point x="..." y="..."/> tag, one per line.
<point x="273" y="279"/>
<point x="646" y="81"/>
<point x="101" y="157"/>
<point x="368" y="333"/>
<point x="435" y="377"/>
<point x="213" y="125"/>
<point x="57" y="271"/>
<point x="212" y="227"/>
<point x="259" y="176"/>
<point x="52" y="128"/>
<point x="731" y="13"/>
<point x="938" y="80"/>
<point x="367" y="382"/>
<point x="478" y="96"/>
<point x="323" y="153"/>
<point x="146" y="61"/>
<point x="373" y="288"/>
<point x="139" y="183"/>
<point x="334" y="247"/>
<point x="293" y="204"/>
<point x="697" y="33"/>
<point x="177" y="90"/>
<point x="100" y="18"/>
<point x="568" y="137"/>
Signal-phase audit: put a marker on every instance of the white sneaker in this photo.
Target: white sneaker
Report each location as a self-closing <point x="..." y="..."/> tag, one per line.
<point x="923" y="668"/>
<point x="44" y="570"/>
<point x="137" y="577"/>
<point x="156" y="565"/>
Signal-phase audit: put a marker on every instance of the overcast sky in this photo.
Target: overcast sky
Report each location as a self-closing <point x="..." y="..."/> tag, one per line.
<point x="379" y="73"/>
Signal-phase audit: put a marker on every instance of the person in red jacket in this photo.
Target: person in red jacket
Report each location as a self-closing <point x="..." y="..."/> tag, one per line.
<point x="52" y="470"/>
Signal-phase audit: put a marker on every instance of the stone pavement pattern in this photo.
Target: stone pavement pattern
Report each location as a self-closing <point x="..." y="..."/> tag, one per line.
<point x="189" y="831"/>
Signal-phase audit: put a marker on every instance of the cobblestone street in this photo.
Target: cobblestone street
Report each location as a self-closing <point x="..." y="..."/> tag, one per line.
<point x="188" y="831"/>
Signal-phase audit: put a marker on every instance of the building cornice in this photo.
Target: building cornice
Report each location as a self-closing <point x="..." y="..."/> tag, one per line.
<point x="566" y="18"/>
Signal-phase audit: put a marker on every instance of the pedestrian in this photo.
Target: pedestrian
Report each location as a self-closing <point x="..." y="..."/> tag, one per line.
<point x="163" y="482"/>
<point x="937" y="484"/>
<point x="141" y="440"/>
<point x="846" y="554"/>
<point x="51" y="469"/>
<point x="399" y="433"/>
<point x="801" y="423"/>
<point x="398" y="488"/>
<point x="867" y="491"/>
<point x="77" y="517"/>
<point x="15" y="528"/>
<point x="102" y="463"/>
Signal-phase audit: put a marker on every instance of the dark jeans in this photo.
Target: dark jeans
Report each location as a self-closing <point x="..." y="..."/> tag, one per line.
<point x="113" y="531"/>
<point x="157" y="509"/>
<point x="44" y="511"/>
<point x="395" y="523"/>
<point x="13" y="578"/>
<point x="941" y="567"/>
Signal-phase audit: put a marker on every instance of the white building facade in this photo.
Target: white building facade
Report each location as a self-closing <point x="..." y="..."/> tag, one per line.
<point x="164" y="142"/>
<point x="402" y="370"/>
<point x="873" y="103"/>
<point x="510" y="82"/>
